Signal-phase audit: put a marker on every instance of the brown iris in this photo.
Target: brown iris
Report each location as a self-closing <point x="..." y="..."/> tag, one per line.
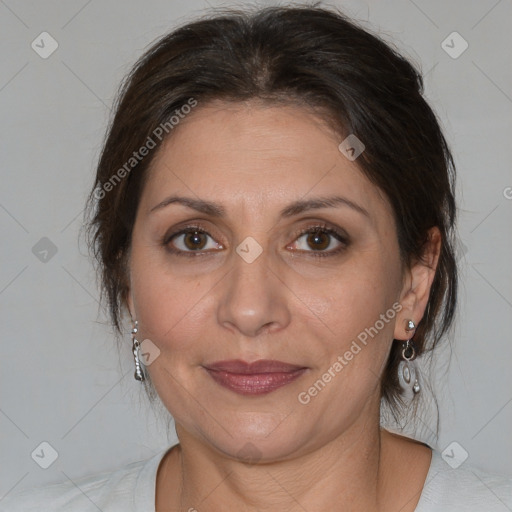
<point x="315" y="236"/>
<point x="195" y="238"/>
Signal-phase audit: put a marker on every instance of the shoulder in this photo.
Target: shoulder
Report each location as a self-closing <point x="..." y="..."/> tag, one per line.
<point x="463" y="488"/>
<point x="129" y="488"/>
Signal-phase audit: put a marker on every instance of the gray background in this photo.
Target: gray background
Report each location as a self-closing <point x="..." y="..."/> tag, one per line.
<point x="61" y="378"/>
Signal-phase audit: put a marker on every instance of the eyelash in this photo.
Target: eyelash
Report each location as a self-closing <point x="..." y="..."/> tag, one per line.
<point x="317" y="228"/>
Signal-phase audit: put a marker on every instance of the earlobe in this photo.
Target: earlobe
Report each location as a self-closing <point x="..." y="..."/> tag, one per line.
<point x="417" y="285"/>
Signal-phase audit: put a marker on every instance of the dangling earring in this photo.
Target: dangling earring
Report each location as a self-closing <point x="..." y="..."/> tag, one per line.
<point x="139" y="375"/>
<point x="407" y="368"/>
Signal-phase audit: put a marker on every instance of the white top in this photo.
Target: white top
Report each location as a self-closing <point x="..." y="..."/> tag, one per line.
<point x="132" y="489"/>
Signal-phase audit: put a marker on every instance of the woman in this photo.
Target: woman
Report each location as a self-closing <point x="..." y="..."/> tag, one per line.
<point x="274" y="210"/>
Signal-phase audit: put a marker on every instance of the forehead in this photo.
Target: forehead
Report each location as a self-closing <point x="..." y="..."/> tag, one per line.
<point x="258" y="156"/>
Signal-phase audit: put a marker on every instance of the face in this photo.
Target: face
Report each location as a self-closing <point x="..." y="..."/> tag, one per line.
<point x="252" y="278"/>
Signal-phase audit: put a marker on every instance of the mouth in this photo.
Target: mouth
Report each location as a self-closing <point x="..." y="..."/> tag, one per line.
<point x="257" y="378"/>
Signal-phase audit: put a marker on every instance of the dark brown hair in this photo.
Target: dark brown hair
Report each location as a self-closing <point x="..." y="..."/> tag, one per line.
<point x="307" y="56"/>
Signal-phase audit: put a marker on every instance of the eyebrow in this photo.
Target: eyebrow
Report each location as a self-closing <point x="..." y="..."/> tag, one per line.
<point x="216" y="210"/>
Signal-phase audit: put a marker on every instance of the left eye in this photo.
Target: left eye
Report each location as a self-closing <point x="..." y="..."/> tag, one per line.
<point x="320" y="240"/>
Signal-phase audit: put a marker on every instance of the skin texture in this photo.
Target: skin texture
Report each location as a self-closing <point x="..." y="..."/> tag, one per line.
<point x="287" y="305"/>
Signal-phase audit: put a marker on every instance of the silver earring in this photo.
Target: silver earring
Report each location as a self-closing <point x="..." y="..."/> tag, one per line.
<point x="407" y="368"/>
<point x="139" y="375"/>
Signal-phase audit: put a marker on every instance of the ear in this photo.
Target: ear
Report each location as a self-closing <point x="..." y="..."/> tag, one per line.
<point x="417" y="283"/>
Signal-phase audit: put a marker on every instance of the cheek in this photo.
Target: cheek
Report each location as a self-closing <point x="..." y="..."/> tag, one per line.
<point x="162" y="300"/>
<point x="360" y="307"/>
<point x="355" y="295"/>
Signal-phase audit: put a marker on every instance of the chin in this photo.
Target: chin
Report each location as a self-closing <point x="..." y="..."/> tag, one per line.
<point x="255" y="437"/>
<point x="259" y="450"/>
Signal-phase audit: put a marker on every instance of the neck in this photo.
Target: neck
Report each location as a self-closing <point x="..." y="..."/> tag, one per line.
<point x="350" y="468"/>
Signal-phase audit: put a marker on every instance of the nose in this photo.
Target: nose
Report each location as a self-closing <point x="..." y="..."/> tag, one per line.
<point x="254" y="298"/>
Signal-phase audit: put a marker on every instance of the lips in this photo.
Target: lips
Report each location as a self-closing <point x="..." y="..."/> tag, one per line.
<point x="255" y="378"/>
<point x="261" y="366"/>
